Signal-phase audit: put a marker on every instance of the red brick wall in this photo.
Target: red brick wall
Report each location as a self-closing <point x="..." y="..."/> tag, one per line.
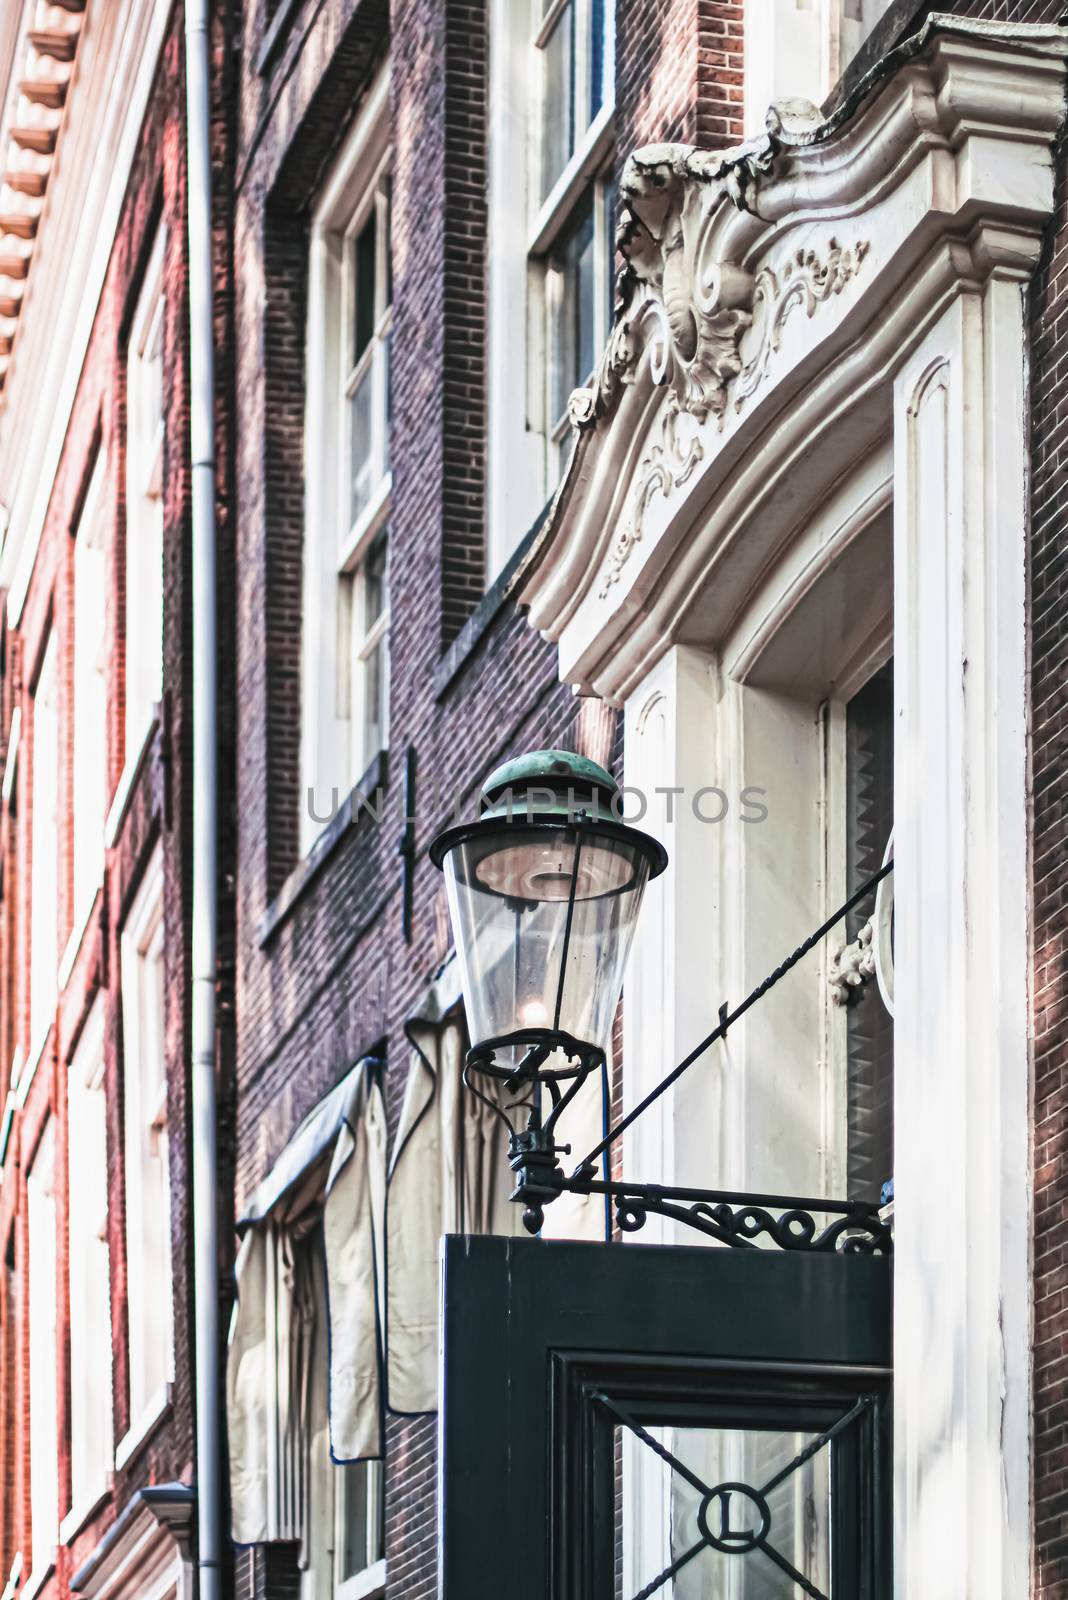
<point x="159" y="810"/>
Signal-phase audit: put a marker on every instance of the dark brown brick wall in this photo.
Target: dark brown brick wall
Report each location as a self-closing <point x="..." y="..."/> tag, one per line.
<point x="679" y="73"/>
<point x="1049" y="733"/>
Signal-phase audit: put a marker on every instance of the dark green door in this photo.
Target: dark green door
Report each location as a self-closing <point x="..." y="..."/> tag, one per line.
<point x="758" y="1381"/>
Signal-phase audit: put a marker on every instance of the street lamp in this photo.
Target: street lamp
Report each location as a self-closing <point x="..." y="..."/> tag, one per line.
<point x="544" y="891"/>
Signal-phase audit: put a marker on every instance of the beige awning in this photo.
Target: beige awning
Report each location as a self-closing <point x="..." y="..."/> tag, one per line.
<point x="306" y="1329"/>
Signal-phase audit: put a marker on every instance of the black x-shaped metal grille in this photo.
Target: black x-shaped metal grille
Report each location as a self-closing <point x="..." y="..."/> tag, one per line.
<point x="728" y="1539"/>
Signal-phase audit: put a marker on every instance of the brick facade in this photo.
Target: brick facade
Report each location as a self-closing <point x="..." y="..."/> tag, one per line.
<point x="158" y="810"/>
<point x="315" y="969"/>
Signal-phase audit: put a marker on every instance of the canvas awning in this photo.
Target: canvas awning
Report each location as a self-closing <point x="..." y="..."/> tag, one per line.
<point x="306" y="1329"/>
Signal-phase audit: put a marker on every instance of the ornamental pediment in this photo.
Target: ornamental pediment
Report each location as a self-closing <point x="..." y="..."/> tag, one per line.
<point x="766" y="297"/>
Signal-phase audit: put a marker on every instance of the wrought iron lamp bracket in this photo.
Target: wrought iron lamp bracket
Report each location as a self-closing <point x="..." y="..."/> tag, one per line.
<point x="738" y="1220"/>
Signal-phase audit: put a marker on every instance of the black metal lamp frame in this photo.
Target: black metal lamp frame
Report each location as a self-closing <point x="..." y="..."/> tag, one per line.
<point x="738" y="1220"/>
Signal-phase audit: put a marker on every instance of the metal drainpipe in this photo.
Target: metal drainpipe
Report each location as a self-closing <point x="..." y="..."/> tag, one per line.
<point x="205" y="828"/>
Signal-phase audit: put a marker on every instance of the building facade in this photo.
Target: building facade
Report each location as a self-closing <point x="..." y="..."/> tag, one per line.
<point x="565" y="398"/>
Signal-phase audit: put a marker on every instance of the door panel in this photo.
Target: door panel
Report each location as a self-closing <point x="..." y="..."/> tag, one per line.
<point x="727" y="1364"/>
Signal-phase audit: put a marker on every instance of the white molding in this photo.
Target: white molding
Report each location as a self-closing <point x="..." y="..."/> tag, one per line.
<point x="327" y="753"/>
<point x="370" y="1584"/>
<point x="145" y="1554"/>
<point x="37" y="1580"/>
<point x="128" y="777"/>
<point x="962" y="1054"/>
<point x="147" y="1420"/>
<point x="83" y="917"/>
<point x="11" y="762"/>
<point x="692" y="465"/>
<point x="79" y="1515"/>
<point x="792" y="309"/>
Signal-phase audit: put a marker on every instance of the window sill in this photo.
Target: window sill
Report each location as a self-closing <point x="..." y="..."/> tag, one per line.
<point x="478" y="624"/>
<point x="326" y="842"/>
<point x="78" y="1516"/>
<point x="77" y="934"/>
<point x="575" y="179"/>
<point x="370" y="1584"/>
<point x="142" y="1429"/>
<point x="30" y="1065"/>
<point x="124" y="788"/>
<point x="36" y="1581"/>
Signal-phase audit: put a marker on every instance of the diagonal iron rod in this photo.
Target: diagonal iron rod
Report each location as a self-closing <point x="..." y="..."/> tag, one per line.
<point x="727" y="1021"/>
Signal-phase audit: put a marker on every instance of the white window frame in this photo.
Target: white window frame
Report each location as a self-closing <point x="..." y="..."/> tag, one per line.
<point x="90" y="790"/>
<point x="523" y="287"/>
<point x="91" y="1418"/>
<point x="144" y="509"/>
<point x="148" y="1215"/>
<point x="334" y="720"/>
<point x="370" y="1582"/>
<point x="44" y="851"/>
<point x="44" y="1355"/>
<point x="796" y="48"/>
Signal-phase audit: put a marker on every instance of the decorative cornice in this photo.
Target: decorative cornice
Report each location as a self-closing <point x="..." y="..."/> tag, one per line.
<point x="763" y="290"/>
<point x="34" y="98"/>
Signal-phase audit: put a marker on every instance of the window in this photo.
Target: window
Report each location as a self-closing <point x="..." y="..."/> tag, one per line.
<point x="148" y="1246"/>
<point x="359" y="1530"/>
<point x="366" y="295"/>
<point x="579" y="294"/>
<point x="345" y="688"/>
<point x="90" y="1301"/>
<point x="571" y="37"/>
<point x="44" y="846"/>
<point x="573" y="243"/>
<point x="794" y="48"/>
<point x="90" y="698"/>
<point x="144" y="506"/>
<point x="44" y="1455"/>
<point x="552" y="227"/>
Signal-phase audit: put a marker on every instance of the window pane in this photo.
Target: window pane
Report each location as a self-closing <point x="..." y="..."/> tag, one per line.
<point x="366" y="244"/>
<point x="741" y="1466"/>
<point x="870" y="1028"/>
<point x="576" y="332"/>
<point x="558" y="104"/>
<point x="376" y="697"/>
<point x="608" y="201"/>
<point x="375" y="583"/>
<point x="360" y="1531"/>
<point x="361" y="445"/>
<point x="387" y="222"/>
<point x="596" y="53"/>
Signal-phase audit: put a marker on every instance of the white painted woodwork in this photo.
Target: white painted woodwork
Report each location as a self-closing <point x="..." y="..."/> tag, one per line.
<point x="812" y="335"/>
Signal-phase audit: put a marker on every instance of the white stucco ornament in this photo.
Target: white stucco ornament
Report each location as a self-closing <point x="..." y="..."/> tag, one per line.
<point x="811" y="418"/>
<point x="764" y="289"/>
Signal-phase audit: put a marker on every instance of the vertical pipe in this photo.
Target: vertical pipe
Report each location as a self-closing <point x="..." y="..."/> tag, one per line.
<point x="205" y="829"/>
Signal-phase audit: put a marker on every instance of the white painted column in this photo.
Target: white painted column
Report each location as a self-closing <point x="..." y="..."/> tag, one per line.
<point x="670" y="998"/>
<point x="962" y="1274"/>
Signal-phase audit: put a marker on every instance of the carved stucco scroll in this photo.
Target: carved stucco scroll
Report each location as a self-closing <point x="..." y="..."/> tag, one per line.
<point x="692" y="314"/>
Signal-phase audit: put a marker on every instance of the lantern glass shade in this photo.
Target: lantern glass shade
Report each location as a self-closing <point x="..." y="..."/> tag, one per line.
<point x="543" y="915"/>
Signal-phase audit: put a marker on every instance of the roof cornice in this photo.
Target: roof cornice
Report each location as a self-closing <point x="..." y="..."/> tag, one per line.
<point x="38" y="59"/>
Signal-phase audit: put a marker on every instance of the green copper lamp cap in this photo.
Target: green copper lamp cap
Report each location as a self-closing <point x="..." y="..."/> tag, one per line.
<point x="561" y="779"/>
